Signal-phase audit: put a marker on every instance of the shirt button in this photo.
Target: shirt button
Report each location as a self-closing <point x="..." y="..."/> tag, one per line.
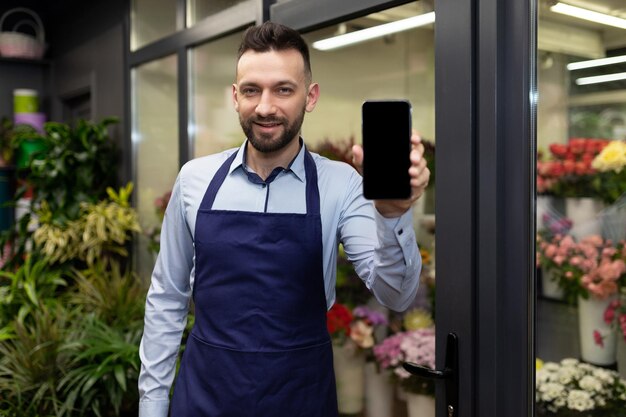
<point x="400" y="231"/>
<point x="263" y="185"/>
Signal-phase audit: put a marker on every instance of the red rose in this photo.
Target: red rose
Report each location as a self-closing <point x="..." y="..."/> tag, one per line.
<point x="577" y="145"/>
<point x="558" y="149"/>
<point x="569" y="166"/>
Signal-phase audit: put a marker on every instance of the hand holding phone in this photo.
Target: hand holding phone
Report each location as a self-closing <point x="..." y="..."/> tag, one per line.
<point x="386" y="132"/>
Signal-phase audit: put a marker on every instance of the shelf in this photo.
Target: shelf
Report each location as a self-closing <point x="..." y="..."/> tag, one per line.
<point x="21" y="61"/>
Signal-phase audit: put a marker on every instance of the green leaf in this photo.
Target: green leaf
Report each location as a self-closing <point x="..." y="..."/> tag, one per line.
<point x="120" y="376"/>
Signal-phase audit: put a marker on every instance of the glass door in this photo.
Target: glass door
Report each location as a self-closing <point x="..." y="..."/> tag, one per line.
<point x="581" y="223"/>
<point x="470" y="77"/>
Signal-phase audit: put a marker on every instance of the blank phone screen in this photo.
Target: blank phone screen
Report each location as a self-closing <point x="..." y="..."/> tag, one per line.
<point x="386" y="149"/>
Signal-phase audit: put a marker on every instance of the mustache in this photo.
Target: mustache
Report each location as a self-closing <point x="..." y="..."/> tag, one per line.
<point x="258" y="119"/>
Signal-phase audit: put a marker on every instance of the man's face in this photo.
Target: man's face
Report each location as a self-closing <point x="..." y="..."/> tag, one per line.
<point x="271" y="96"/>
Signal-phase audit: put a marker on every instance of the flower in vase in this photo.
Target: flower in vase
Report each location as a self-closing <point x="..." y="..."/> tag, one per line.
<point x="416" y="346"/>
<point x="573" y="386"/>
<point x="569" y="171"/>
<point x="417" y="319"/>
<point x="592" y="267"/>
<point x="338" y="320"/>
<point x="611" y="179"/>
<point x="362" y="334"/>
<point x="611" y="158"/>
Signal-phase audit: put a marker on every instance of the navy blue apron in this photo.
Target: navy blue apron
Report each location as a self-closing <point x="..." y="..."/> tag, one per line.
<point x="259" y="345"/>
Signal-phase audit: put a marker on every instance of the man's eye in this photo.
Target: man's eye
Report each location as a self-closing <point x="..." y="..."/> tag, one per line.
<point x="285" y="91"/>
<point x="248" y="91"/>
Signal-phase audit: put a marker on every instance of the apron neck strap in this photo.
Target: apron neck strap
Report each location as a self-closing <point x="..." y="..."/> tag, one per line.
<point x="310" y="170"/>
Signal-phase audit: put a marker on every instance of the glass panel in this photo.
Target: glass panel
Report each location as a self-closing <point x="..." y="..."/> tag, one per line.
<point x="396" y="66"/>
<point x="199" y="9"/>
<point x="403" y="69"/>
<point x="214" y="125"/>
<point x="581" y="117"/>
<point x="151" y="20"/>
<point x="155" y="141"/>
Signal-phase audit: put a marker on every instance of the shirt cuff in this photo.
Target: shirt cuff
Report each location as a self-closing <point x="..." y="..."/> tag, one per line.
<point x="154" y="408"/>
<point x="395" y="229"/>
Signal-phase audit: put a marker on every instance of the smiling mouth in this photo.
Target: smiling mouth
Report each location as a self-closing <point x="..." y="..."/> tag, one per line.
<point x="267" y="125"/>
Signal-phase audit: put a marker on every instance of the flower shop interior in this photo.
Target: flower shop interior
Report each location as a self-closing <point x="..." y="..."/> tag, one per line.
<point x="102" y="102"/>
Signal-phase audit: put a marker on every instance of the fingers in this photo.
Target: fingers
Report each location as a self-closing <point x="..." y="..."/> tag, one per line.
<point x="419" y="172"/>
<point x="357" y="158"/>
<point x="415" y="138"/>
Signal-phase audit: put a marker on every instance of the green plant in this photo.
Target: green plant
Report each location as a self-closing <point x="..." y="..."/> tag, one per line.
<point x="102" y="230"/>
<point x="32" y="363"/>
<point x="105" y="359"/>
<point x="105" y="368"/>
<point x="31" y="287"/>
<point x="114" y="295"/>
<point x="77" y="167"/>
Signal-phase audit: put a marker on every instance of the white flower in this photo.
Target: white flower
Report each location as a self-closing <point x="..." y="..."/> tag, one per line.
<point x="550" y="367"/>
<point x="566" y="375"/>
<point x="551" y="391"/>
<point x="603" y="375"/>
<point x="590" y="383"/>
<point x="569" y="362"/>
<point x="542" y="377"/>
<point x="579" y="400"/>
<point x="560" y="402"/>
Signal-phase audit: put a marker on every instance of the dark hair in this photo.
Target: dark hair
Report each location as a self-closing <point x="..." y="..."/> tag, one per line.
<point x="272" y="36"/>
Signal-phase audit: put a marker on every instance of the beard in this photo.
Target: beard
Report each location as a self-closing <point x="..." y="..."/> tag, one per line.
<point x="265" y="142"/>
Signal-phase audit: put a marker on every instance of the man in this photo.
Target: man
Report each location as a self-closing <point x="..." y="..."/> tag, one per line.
<point x="252" y="234"/>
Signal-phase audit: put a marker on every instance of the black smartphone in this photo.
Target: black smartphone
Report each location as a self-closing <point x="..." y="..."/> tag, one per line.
<point x="386" y="149"/>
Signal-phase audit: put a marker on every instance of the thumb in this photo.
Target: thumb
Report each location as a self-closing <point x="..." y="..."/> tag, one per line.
<point x="357" y="158"/>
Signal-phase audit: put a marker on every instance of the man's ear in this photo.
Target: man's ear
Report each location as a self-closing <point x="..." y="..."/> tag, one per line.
<point x="312" y="96"/>
<point x="235" y="99"/>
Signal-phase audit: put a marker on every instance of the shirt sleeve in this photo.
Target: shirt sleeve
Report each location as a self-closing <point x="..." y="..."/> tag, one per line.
<point x="167" y="305"/>
<point x="383" y="250"/>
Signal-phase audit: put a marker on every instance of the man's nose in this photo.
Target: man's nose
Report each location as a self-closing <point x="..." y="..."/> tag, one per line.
<point x="265" y="107"/>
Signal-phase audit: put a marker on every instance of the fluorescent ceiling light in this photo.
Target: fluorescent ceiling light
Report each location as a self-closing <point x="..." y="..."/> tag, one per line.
<point x="596" y="62"/>
<point x="601" y="78"/>
<point x="374" y="32"/>
<point x="590" y="15"/>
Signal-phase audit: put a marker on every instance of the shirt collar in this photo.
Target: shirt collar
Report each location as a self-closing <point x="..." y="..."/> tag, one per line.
<point x="296" y="166"/>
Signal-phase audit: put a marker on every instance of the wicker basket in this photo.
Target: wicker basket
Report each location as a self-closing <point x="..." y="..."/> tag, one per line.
<point x="15" y="44"/>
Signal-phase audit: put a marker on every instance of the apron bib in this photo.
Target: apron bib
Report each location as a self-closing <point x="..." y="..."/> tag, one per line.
<point x="259" y="345"/>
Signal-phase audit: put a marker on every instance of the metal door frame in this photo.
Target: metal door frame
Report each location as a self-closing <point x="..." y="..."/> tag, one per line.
<point x="485" y="128"/>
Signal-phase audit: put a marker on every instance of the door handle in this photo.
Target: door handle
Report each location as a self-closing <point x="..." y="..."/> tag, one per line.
<point x="449" y="374"/>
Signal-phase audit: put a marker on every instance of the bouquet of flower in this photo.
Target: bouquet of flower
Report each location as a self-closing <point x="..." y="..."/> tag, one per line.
<point x="355" y="326"/>
<point x="154" y="233"/>
<point x="593" y="266"/>
<point x="571" y="388"/>
<point x="569" y="173"/>
<point x="417" y="346"/>
<point x="615" y="315"/>
<point x="611" y="180"/>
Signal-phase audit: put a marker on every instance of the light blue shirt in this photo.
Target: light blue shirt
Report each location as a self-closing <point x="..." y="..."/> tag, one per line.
<point x="383" y="251"/>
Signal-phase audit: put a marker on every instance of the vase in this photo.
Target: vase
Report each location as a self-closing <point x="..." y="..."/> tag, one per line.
<point x="584" y="212"/>
<point x="378" y="392"/>
<point x="592" y="327"/>
<point x="419" y="405"/>
<point x="547" y="208"/>
<point x="621" y="354"/>
<point x="349" y="366"/>
<point x="550" y="288"/>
